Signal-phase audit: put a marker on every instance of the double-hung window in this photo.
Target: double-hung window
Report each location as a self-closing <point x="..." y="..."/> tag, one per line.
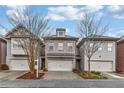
<point x="16" y="44"/>
<point x="70" y="47"/>
<point x="60" y="33"/>
<point x="51" y="46"/>
<point x="110" y="47"/>
<point x="100" y="48"/>
<point x="60" y="46"/>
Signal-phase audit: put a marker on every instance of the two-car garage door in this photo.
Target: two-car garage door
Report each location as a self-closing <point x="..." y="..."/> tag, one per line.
<point x="59" y="65"/>
<point x="18" y="65"/>
<point x="101" y="66"/>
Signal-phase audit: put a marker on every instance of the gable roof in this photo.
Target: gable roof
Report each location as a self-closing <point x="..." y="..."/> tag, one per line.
<point x="98" y="38"/>
<point x="17" y="28"/>
<point x="14" y="30"/>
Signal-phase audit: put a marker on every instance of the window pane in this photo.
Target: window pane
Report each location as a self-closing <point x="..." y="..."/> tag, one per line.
<point x="16" y="44"/>
<point x="100" y="49"/>
<point x="109" y="46"/>
<point x="109" y="49"/>
<point x="91" y="44"/>
<point x="70" y="47"/>
<point x="60" y="46"/>
<point x="60" y="33"/>
<point x="51" y="46"/>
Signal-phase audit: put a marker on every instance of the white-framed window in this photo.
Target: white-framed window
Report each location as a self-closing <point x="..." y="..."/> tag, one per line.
<point x="100" y="48"/>
<point x="51" y="46"/>
<point x="70" y="47"/>
<point x="91" y="44"/>
<point x="60" y="46"/>
<point x="16" y="44"/>
<point x="60" y="33"/>
<point x="110" y="47"/>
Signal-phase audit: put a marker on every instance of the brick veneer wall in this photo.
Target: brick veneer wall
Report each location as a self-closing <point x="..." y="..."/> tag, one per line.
<point x="0" y="54"/>
<point x="120" y="56"/>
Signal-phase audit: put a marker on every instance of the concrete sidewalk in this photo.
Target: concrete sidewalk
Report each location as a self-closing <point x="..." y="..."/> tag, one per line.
<point x="112" y="75"/>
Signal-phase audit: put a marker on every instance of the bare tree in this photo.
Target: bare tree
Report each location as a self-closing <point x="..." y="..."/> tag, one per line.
<point x="90" y="29"/>
<point x="32" y="28"/>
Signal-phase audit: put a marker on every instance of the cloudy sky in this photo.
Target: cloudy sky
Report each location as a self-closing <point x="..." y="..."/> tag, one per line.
<point x="68" y="16"/>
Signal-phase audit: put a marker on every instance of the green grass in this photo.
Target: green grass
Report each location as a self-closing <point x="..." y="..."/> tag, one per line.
<point x="90" y="75"/>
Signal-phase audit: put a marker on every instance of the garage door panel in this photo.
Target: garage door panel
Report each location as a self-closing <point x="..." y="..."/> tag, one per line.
<point x="60" y="65"/>
<point x="18" y="65"/>
<point x="101" y="66"/>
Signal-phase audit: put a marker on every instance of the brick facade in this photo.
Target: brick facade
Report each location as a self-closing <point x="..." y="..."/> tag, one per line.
<point x="120" y="56"/>
<point x="2" y="51"/>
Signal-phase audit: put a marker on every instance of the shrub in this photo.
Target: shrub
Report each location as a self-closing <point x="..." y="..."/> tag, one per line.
<point x="90" y="75"/>
<point x="45" y="69"/>
<point x="76" y="70"/>
<point x="96" y="72"/>
<point x="4" y="67"/>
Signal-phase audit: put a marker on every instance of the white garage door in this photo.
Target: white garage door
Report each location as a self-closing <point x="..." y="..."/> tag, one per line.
<point x="18" y="65"/>
<point x="101" y="66"/>
<point x="59" y="65"/>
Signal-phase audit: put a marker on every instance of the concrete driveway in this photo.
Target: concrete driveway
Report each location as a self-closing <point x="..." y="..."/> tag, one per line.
<point x="10" y="75"/>
<point x="61" y="75"/>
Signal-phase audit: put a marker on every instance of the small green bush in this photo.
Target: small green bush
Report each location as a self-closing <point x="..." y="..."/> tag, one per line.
<point x="76" y="70"/>
<point x="4" y="67"/>
<point x="91" y="75"/>
<point x="45" y="69"/>
<point x="96" y="72"/>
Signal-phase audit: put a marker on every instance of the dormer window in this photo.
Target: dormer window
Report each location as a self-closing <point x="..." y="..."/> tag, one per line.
<point x="60" y="32"/>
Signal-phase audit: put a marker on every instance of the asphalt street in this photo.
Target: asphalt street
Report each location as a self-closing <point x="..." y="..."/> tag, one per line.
<point x="62" y="83"/>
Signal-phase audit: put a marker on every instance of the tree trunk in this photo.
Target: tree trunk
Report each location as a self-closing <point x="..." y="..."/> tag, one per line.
<point x="32" y="70"/>
<point x="89" y="64"/>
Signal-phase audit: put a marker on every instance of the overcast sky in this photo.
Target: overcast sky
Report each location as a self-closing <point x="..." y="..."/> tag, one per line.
<point x="68" y="16"/>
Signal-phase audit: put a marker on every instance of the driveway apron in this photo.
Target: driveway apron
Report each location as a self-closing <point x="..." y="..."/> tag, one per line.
<point x="61" y="75"/>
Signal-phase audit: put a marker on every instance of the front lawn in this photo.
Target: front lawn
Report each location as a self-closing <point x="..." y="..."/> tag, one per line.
<point x="90" y="75"/>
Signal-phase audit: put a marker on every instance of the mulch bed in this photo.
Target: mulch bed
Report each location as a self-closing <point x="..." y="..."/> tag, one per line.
<point x="29" y="76"/>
